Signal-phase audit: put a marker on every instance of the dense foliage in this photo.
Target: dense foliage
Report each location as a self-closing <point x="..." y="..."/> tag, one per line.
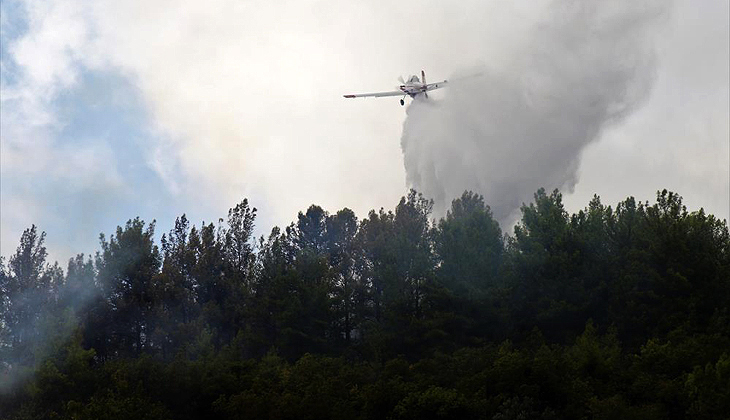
<point x="608" y="313"/>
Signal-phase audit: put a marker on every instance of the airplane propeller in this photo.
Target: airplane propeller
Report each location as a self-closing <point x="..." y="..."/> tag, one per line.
<point x="400" y="79"/>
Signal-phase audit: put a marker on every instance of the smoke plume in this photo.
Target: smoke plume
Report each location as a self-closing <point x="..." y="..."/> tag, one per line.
<point x="510" y="127"/>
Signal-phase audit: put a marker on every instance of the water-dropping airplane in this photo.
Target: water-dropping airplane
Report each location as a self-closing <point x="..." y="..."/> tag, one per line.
<point x="413" y="87"/>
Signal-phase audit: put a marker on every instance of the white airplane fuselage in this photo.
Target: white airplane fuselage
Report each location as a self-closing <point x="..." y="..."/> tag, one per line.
<point x="412" y="89"/>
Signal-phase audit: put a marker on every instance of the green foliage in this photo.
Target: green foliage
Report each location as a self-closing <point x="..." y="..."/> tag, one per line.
<point x="128" y="267"/>
<point x="28" y="291"/>
<point x="606" y="313"/>
<point x="709" y="388"/>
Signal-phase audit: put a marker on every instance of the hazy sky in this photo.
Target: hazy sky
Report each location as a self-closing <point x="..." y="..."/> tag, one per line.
<point x="116" y="109"/>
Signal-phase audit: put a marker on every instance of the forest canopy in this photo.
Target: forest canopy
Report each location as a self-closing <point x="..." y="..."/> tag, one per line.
<point x="610" y="312"/>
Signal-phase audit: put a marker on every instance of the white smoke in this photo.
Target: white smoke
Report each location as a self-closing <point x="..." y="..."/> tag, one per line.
<point x="521" y="123"/>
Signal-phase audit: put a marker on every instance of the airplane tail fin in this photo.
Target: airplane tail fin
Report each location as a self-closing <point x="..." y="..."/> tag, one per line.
<point x="423" y="80"/>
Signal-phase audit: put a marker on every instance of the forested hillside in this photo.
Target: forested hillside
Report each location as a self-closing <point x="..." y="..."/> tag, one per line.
<point x="610" y="313"/>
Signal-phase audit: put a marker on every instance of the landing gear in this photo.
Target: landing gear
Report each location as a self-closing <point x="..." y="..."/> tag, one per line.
<point x="402" y="102"/>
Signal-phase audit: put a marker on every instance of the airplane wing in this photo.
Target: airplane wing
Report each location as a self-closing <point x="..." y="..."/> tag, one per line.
<point x="376" y="94"/>
<point x="437" y="85"/>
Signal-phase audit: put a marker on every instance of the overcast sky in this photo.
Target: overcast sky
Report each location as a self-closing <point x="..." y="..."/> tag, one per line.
<point x="112" y="110"/>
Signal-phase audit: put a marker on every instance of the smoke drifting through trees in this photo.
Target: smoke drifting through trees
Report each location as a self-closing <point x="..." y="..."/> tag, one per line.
<point x="609" y="310"/>
<point x="523" y="122"/>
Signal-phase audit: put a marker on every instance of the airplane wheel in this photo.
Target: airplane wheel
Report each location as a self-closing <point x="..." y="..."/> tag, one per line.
<point x="402" y="102"/>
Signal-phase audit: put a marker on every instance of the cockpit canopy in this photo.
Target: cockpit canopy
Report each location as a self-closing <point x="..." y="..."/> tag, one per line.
<point x="414" y="79"/>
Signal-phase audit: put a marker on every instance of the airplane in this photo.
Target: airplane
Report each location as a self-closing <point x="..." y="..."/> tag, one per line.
<point x="413" y="87"/>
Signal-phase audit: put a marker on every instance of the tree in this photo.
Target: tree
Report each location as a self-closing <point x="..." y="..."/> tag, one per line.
<point x="80" y="284"/>
<point x="548" y="290"/>
<point x="341" y="231"/>
<point x="128" y="269"/>
<point x="316" y="322"/>
<point x="176" y="308"/>
<point x="396" y="265"/>
<point x="28" y="290"/>
<point x="237" y="241"/>
<point x="275" y="304"/>
<point x="468" y="244"/>
<point x="469" y="249"/>
<point x="237" y="248"/>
